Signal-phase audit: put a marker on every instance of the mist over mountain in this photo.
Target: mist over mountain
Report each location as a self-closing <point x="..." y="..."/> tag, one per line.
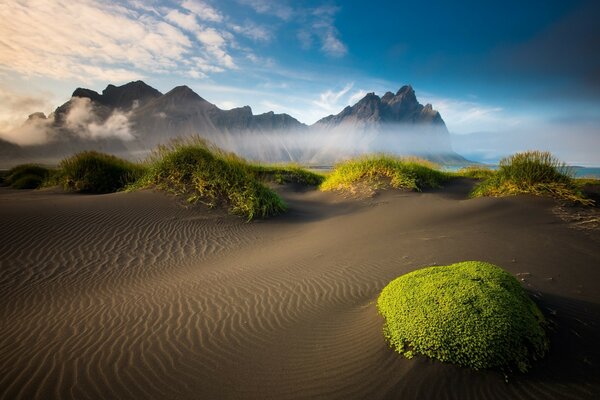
<point x="131" y="119"/>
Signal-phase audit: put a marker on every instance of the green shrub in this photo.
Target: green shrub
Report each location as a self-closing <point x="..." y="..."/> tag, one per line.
<point x="26" y="176"/>
<point x="370" y="173"/>
<point x="471" y="313"/>
<point x="475" y="172"/>
<point x="532" y="172"/>
<point x="209" y="175"/>
<point x="94" y="172"/>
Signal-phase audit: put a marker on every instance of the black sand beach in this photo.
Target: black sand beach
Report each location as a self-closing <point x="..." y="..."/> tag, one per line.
<point x="134" y="295"/>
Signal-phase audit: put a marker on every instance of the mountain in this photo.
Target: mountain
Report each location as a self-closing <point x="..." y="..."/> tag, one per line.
<point x="131" y="119"/>
<point x="395" y="123"/>
<point x="400" y="108"/>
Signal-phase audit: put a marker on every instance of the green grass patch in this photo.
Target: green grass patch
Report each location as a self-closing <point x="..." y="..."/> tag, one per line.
<point x="532" y="172"/>
<point x="206" y="174"/>
<point x="94" y="172"/>
<point x="472" y="313"/>
<point x="26" y="176"/>
<point x="366" y="175"/>
<point x="475" y="172"/>
<point x="290" y="173"/>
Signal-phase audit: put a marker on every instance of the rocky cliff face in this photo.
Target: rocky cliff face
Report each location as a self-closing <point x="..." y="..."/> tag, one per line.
<point x="400" y="108"/>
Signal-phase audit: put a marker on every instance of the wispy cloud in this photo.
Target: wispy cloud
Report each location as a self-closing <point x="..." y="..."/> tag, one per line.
<point x="279" y="9"/>
<point x="253" y="31"/>
<point x="203" y="10"/>
<point x="331" y="101"/>
<point x="465" y="116"/>
<point x="320" y="27"/>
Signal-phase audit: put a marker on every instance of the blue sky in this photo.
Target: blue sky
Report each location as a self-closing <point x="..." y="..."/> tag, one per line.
<point x="488" y="67"/>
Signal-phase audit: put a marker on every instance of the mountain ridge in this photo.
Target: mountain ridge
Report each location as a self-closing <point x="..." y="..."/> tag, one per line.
<point x="135" y="117"/>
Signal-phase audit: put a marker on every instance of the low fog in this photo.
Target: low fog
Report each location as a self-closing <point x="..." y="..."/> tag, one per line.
<point x="575" y="143"/>
<point x="81" y="118"/>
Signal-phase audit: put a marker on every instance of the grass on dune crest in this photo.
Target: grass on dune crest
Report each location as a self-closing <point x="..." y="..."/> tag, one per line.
<point x="367" y="174"/>
<point x="532" y="172"/>
<point x="26" y="176"/>
<point x="206" y="174"/>
<point x="95" y="172"/>
<point x="472" y="313"/>
<point x="288" y="173"/>
<point x="475" y="172"/>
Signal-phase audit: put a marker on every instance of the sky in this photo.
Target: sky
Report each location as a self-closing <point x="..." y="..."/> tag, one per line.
<point x="504" y="75"/>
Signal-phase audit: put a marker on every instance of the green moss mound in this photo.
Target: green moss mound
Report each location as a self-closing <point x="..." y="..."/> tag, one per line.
<point x="532" y="172"/>
<point x="94" y="172"/>
<point x="471" y="313"/>
<point x="209" y="175"/>
<point x="369" y="173"/>
<point x="26" y="176"/>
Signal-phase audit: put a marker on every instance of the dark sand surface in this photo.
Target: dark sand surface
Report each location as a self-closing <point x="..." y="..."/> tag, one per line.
<point x="135" y="296"/>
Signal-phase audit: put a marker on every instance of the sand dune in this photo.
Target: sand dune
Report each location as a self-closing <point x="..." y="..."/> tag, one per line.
<point x="133" y="295"/>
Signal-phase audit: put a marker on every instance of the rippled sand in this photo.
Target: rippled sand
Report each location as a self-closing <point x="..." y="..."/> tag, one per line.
<point x="133" y="295"/>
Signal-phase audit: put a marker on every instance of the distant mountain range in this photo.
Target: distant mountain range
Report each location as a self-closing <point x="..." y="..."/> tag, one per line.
<point x="131" y="119"/>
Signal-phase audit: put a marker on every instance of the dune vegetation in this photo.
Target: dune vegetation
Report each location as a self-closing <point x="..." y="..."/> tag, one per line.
<point x="532" y="172"/>
<point x="286" y="173"/>
<point x="473" y="314"/>
<point x="211" y="176"/>
<point x="475" y="172"/>
<point x="26" y="176"/>
<point x="365" y="175"/>
<point x="94" y="172"/>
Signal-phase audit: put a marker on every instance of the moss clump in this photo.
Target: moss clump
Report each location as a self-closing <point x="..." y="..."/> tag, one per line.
<point x="287" y="174"/>
<point x="94" y="172"/>
<point x="471" y="313"/>
<point x="532" y="172"/>
<point x="209" y="175"/>
<point x="370" y="173"/>
<point x="26" y="176"/>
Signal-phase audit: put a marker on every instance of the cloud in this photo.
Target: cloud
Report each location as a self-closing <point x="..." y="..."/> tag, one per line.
<point x="90" y="41"/>
<point x="321" y="27"/>
<point x="15" y="108"/>
<point x="279" y="9"/>
<point x="185" y="21"/>
<point x="203" y="10"/>
<point x="82" y="120"/>
<point x="252" y="31"/>
<point x="330" y="101"/>
<point x="464" y="116"/>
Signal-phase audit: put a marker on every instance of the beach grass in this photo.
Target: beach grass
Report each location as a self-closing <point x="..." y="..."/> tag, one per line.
<point x="95" y="172"/>
<point x="287" y="173"/>
<point x="204" y="173"/>
<point x="472" y="313"/>
<point x="475" y="172"/>
<point x="26" y="176"/>
<point x="367" y="174"/>
<point x="532" y="172"/>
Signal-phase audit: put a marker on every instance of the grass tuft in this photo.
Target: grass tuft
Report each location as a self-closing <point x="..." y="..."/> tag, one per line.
<point x="475" y="172"/>
<point x="472" y="313"/>
<point x="206" y="174"/>
<point x="289" y="173"/>
<point x="26" y="176"/>
<point x="532" y="172"/>
<point x="367" y="174"/>
<point x="94" y="172"/>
